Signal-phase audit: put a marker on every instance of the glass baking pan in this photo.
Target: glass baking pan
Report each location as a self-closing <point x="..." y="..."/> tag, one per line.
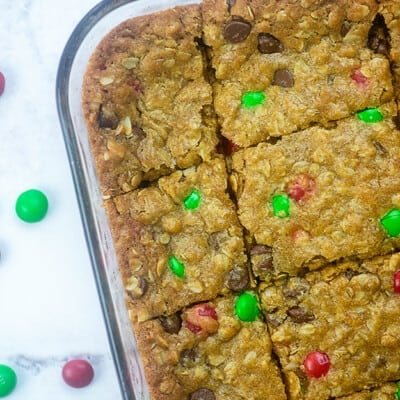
<point x="83" y="41"/>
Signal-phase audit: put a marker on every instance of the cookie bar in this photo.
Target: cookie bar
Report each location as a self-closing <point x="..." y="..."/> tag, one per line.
<point x="208" y="353"/>
<point x="385" y="392"/>
<point x="321" y="194"/>
<point x="283" y="66"/>
<point x="336" y="330"/>
<point x="390" y="11"/>
<point x="178" y="241"/>
<point x="146" y="101"/>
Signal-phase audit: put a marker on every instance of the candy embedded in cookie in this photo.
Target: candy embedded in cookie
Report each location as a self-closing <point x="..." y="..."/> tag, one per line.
<point x="253" y="99"/>
<point x="176" y="266"/>
<point x="281" y="205"/>
<point x="391" y="222"/>
<point x="192" y="201"/>
<point x="316" y="364"/>
<point x="396" y="282"/>
<point x="370" y="115"/>
<point x="201" y="319"/>
<point x="247" y="307"/>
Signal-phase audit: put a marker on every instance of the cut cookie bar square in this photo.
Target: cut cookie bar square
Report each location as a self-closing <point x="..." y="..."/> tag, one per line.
<point x="321" y="195"/>
<point x="335" y="331"/>
<point x="146" y="102"/>
<point x="178" y="241"/>
<point x="283" y="66"/>
<point x="207" y="353"/>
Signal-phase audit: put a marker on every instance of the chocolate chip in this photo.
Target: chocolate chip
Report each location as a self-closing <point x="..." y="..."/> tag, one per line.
<point x="396" y="120"/>
<point x="202" y="394"/>
<point x="188" y="357"/>
<point x="237" y="30"/>
<point x="107" y="118"/>
<point x="380" y="148"/>
<point x="283" y="78"/>
<point x="237" y="279"/>
<point x="378" y="36"/>
<point x="140" y="289"/>
<point x="213" y="241"/>
<point x="262" y="258"/>
<point x="138" y="132"/>
<point x="292" y="292"/>
<point x="171" y="323"/>
<point x="231" y="3"/>
<point x="345" y="28"/>
<point x="260" y="249"/>
<point x="268" y="44"/>
<point x="299" y="314"/>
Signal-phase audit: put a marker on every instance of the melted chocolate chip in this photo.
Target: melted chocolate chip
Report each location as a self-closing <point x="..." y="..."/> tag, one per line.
<point x="231" y="3"/>
<point x="107" y="118"/>
<point x="264" y="261"/>
<point x="380" y="148"/>
<point x="300" y="315"/>
<point x="138" y="132"/>
<point x="237" y="30"/>
<point x="171" y="324"/>
<point x="378" y="36"/>
<point x="188" y="357"/>
<point x="213" y="241"/>
<point x="260" y="249"/>
<point x="140" y="289"/>
<point x="202" y="394"/>
<point x="268" y="44"/>
<point x="237" y="279"/>
<point x="291" y="292"/>
<point x="345" y="28"/>
<point x="283" y="78"/>
<point x="396" y="120"/>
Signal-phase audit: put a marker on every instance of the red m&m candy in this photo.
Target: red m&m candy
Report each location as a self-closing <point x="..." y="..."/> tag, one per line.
<point x="77" y="373"/>
<point x="396" y="282"/>
<point x="317" y="364"/>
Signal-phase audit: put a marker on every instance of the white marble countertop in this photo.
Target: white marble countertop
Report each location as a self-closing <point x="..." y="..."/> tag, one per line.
<point x="49" y="307"/>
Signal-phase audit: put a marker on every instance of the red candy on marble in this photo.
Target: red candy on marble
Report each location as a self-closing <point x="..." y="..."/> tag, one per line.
<point x="302" y="188"/>
<point x="396" y="282"/>
<point x="77" y="373"/>
<point x="360" y="78"/>
<point x="2" y="83"/>
<point x="317" y="364"/>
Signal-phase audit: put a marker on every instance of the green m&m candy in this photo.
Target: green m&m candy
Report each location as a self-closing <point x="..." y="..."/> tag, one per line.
<point x="398" y="390"/>
<point x="8" y="380"/>
<point x="253" y="99"/>
<point x="176" y="266"/>
<point x="192" y="201"/>
<point x="391" y="222"/>
<point x="32" y="205"/>
<point x="370" y="115"/>
<point x="281" y="205"/>
<point x="246" y="307"/>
